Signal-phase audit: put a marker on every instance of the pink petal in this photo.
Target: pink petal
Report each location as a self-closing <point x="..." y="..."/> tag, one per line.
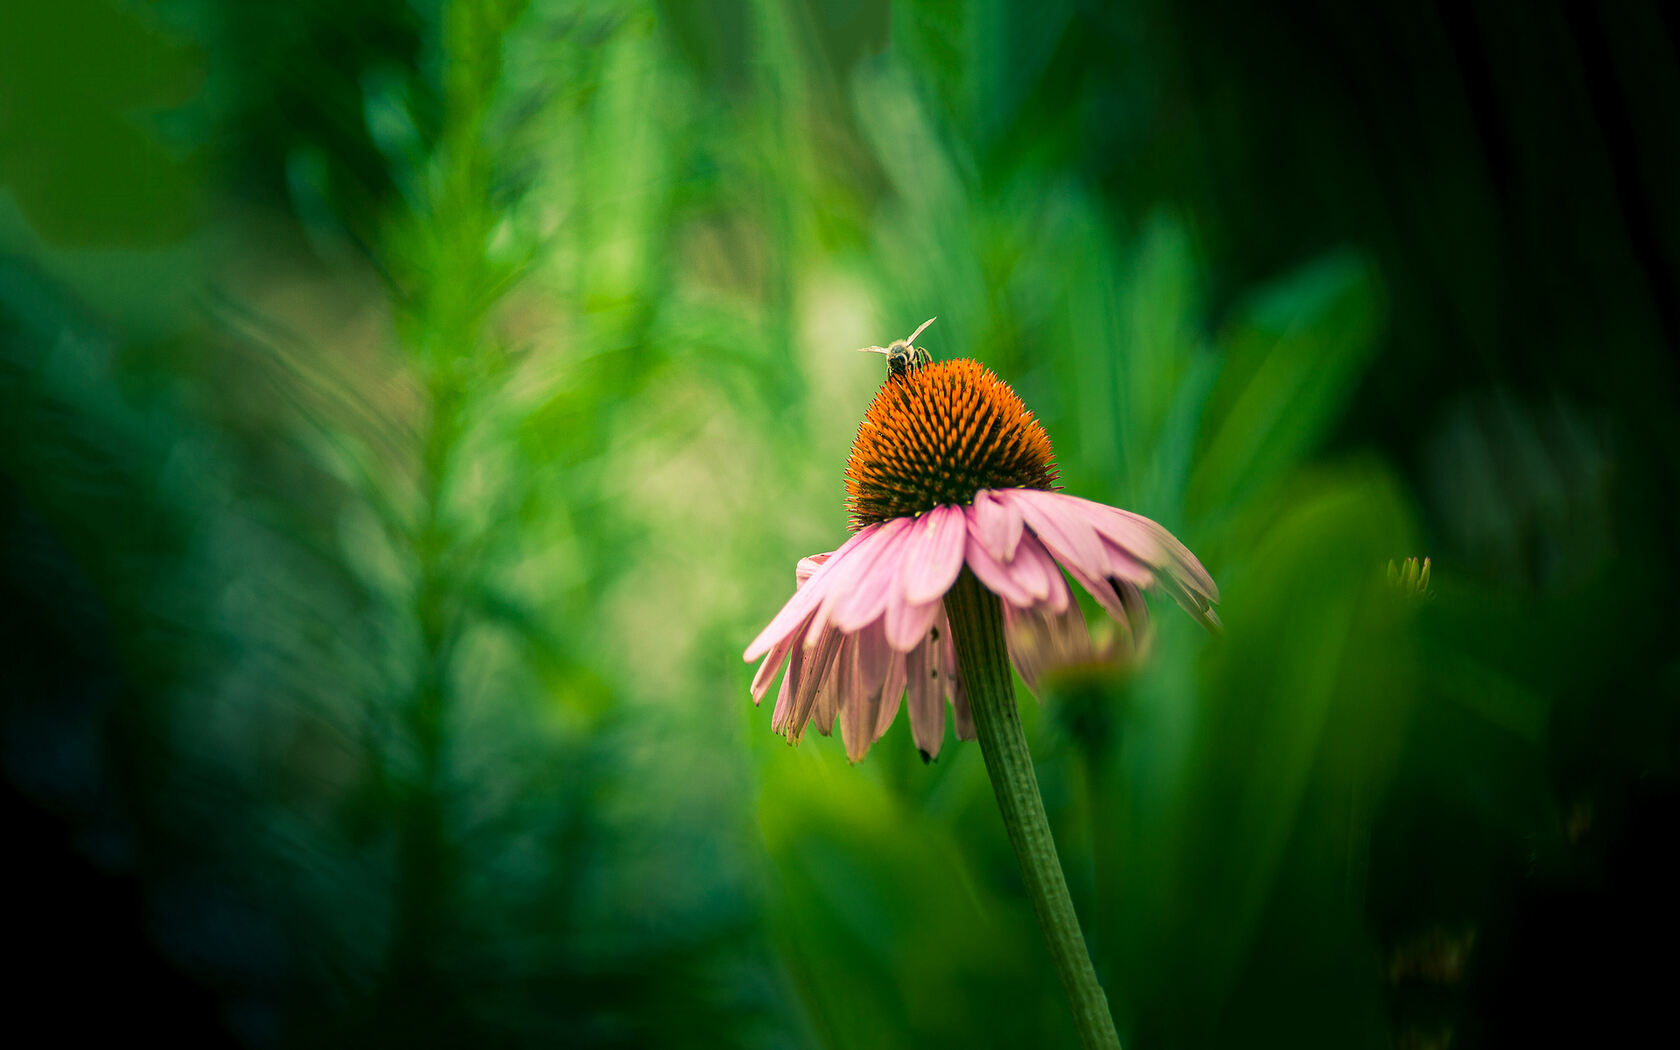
<point x="997" y="523"/>
<point x="998" y="577"/>
<point x="1149" y="543"/>
<point x="807" y="567"/>
<point x="805" y="598"/>
<point x="927" y="707"/>
<point x="1038" y="575"/>
<point x="1124" y="565"/>
<point x="1040" y="642"/>
<point x="857" y="725"/>
<point x="1170" y="577"/>
<point x="808" y="676"/>
<point x="1017" y="623"/>
<point x="860" y="699"/>
<point x="908" y="624"/>
<point x="1131" y="548"/>
<point x="1060" y="524"/>
<point x="961" y="717"/>
<point x="825" y="708"/>
<point x="784" y="698"/>
<point x="933" y="554"/>
<point x="1188" y="565"/>
<point x="861" y="565"/>
<point x="791" y="615"/>
<point x="880" y="677"/>
<point x="866" y="598"/>
<point x="875" y="658"/>
<point x="773" y="663"/>
<point x="831" y="694"/>
<point x="892" y="695"/>
<point x="1100" y="588"/>
<point x="846" y="671"/>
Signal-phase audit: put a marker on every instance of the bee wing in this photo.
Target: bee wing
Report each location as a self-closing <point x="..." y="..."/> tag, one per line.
<point x="922" y="329"/>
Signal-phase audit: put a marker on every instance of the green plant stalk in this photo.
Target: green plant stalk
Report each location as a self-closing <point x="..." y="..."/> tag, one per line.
<point x="983" y="661"/>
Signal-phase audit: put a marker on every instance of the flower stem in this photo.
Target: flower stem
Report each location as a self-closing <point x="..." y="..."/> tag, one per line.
<point x="977" y="632"/>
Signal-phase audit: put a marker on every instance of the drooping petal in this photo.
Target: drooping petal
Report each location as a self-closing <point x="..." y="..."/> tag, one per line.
<point x="1124" y="565"/>
<point x="997" y="523"/>
<point x="773" y="663"/>
<point x="805" y="599"/>
<point x="871" y="559"/>
<point x="1169" y="577"/>
<point x="826" y="707"/>
<point x="846" y="682"/>
<point x="878" y="692"/>
<point x="892" y="695"/>
<point x="998" y="577"/>
<point x="861" y="699"/>
<point x="866" y="599"/>
<point x="1017" y="623"/>
<point x="1132" y="548"/>
<point x="857" y="724"/>
<point x="783" y="711"/>
<point x="1148" y="542"/>
<point x="1061" y="595"/>
<point x="830" y="693"/>
<point x="1038" y="574"/>
<point x="1189" y="566"/>
<point x="1129" y="575"/>
<point x="808" y="677"/>
<point x="807" y="567"/>
<point x="961" y="717"/>
<point x="927" y="700"/>
<point x="1069" y="527"/>
<point x="908" y="624"/>
<point x="1065" y="531"/>
<point x="1135" y="631"/>
<point x="941" y="665"/>
<point x="1190" y="600"/>
<point x="1100" y="588"/>
<point x="875" y="657"/>
<point x="863" y="668"/>
<point x="1041" y="641"/>
<point x="933" y="554"/>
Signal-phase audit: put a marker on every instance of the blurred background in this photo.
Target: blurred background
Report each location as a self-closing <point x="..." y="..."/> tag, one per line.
<point x="409" y="409"/>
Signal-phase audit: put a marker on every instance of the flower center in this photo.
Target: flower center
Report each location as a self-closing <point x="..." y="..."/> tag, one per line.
<point x="938" y="434"/>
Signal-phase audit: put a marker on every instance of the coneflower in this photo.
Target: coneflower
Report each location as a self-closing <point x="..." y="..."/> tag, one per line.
<point x="953" y="571"/>
<point x="950" y="470"/>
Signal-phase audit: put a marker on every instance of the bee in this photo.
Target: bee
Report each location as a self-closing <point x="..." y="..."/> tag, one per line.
<point x="903" y="356"/>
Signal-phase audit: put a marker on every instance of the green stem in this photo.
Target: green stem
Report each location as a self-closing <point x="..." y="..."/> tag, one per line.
<point x="977" y="632"/>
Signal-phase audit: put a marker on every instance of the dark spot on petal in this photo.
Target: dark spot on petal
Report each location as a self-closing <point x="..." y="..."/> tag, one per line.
<point x="926" y="758"/>
<point x="934" y="634"/>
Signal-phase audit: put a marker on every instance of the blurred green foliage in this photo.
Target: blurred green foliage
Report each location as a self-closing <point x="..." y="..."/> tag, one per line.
<point x="409" y="410"/>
